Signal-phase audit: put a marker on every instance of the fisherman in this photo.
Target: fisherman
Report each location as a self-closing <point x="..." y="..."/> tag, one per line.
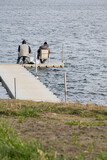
<point x="44" y="49"/>
<point x="23" y="51"/>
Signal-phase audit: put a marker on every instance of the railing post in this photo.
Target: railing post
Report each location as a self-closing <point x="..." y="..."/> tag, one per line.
<point x="65" y="87"/>
<point x="15" y="87"/>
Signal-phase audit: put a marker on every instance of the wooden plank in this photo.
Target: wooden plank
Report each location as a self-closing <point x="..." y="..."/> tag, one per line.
<point x="28" y="87"/>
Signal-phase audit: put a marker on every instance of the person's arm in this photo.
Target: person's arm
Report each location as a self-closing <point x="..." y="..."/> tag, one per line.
<point x="38" y="51"/>
<point x="19" y="49"/>
<point x="29" y="50"/>
<point x="49" y="50"/>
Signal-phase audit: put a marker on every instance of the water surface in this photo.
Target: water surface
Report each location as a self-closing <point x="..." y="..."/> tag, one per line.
<point x="81" y="26"/>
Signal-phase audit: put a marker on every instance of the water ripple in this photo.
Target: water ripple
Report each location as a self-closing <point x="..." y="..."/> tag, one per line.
<point x="81" y="28"/>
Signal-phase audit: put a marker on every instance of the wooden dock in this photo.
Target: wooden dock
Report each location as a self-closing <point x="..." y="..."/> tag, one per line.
<point x="28" y="87"/>
<point x="45" y="65"/>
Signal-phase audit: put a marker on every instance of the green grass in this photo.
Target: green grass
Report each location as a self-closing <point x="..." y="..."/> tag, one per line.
<point x="101" y="119"/>
<point x="80" y="123"/>
<point x="53" y="118"/>
<point x="30" y="108"/>
<point x="75" y="140"/>
<point x="23" y="111"/>
<point x="12" y="148"/>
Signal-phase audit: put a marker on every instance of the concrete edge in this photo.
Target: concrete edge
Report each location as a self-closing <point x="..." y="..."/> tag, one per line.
<point x="46" y="65"/>
<point x="7" y="88"/>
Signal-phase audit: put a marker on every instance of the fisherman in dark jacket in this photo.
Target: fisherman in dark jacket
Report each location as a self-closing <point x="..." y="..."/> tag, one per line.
<point x="45" y="48"/>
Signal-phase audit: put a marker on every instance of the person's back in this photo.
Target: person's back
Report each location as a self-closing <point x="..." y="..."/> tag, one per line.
<point x="43" y="49"/>
<point x="23" y="51"/>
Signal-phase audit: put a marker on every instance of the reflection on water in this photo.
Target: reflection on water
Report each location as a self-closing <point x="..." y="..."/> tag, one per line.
<point x="81" y="28"/>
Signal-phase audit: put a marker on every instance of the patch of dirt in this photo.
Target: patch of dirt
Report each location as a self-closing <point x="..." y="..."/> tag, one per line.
<point x="51" y="130"/>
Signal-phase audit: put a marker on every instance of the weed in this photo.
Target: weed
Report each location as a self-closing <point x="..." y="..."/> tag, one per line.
<point x="89" y="148"/>
<point x="81" y="131"/>
<point x="21" y="119"/>
<point x="102" y="155"/>
<point x="53" y="118"/>
<point x="75" y="139"/>
<point x="94" y="143"/>
<point x="68" y="110"/>
<point x="101" y="119"/>
<point x="102" y="112"/>
<point x="80" y="123"/>
<point x="27" y="112"/>
<point x="81" y="156"/>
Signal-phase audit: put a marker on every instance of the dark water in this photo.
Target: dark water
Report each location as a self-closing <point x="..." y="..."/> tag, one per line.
<point x="81" y="26"/>
<point x="3" y="93"/>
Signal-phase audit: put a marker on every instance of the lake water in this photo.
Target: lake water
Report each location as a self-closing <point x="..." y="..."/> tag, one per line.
<point x="81" y="26"/>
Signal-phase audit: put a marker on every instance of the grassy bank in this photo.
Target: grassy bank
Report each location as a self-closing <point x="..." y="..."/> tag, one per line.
<point x="31" y="130"/>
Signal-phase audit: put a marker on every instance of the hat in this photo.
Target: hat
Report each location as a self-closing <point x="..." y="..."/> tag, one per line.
<point x="23" y="42"/>
<point x="45" y="43"/>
